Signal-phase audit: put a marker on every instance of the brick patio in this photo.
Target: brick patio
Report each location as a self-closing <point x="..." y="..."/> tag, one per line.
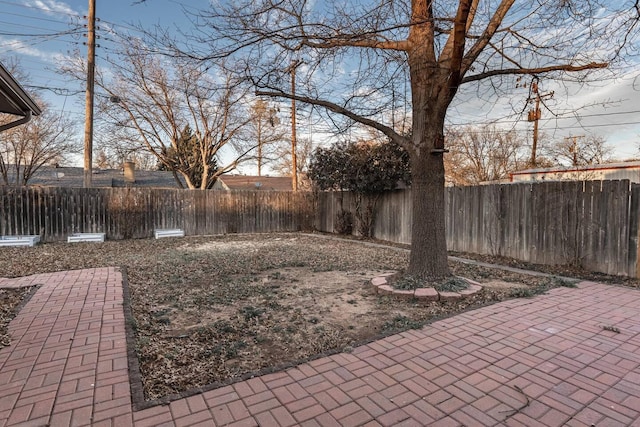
<point x="545" y="361"/>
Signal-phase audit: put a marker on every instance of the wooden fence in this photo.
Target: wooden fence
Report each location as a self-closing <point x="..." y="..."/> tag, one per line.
<point x="593" y="224"/>
<point x="55" y="213"/>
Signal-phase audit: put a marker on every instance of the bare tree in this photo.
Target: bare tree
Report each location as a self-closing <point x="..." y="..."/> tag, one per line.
<point x="354" y="52"/>
<point x="580" y="150"/>
<point x="150" y="99"/>
<point x="48" y="139"/>
<point x="264" y="127"/>
<point x="282" y="164"/>
<point x="479" y="154"/>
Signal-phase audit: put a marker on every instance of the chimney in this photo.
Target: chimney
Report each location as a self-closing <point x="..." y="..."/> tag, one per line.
<point x="129" y="172"/>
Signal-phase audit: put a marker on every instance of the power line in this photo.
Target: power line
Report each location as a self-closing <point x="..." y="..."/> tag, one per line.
<point x="21" y="25"/>
<point x="578" y="117"/>
<point x="57" y="21"/>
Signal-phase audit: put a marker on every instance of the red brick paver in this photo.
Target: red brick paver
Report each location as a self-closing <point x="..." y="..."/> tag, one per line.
<point x="544" y="361"/>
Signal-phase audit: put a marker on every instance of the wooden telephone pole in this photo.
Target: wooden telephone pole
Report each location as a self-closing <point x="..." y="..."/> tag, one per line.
<point x="535" y="115"/>
<point x="294" y="157"/>
<point x="573" y="148"/>
<point x="91" y="66"/>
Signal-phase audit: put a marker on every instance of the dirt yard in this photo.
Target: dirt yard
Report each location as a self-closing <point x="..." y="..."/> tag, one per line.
<point x="209" y="310"/>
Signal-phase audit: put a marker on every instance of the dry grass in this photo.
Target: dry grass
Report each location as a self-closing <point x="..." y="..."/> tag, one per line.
<point x="212" y="309"/>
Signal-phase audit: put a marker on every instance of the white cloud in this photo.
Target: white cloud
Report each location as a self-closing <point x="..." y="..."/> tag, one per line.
<point x="51" y="7"/>
<point x="20" y="47"/>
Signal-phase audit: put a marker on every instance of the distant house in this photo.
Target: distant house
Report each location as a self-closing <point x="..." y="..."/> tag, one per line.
<point x="246" y="182"/>
<point x="605" y="171"/>
<point x="50" y="176"/>
<point x="70" y="177"/>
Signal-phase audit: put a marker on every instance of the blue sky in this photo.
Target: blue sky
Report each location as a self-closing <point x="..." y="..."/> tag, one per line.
<point x="39" y="32"/>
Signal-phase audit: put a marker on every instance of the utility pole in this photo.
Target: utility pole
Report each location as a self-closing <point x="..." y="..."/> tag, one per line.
<point x="91" y="66"/>
<point x="535" y="115"/>
<point x="294" y="157"/>
<point x="573" y="148"/>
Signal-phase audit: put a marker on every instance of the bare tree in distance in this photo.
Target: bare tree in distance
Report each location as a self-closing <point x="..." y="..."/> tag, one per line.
<point x="47" y="139"/>
<point x="150" y="99"/>
<point x="282" y="164"/>
<point x="116" y="148"/>
<point x="265" y="128"/>
<point x="580" y="150"/>
<point x="480" y="154"/>
<point x="354" y="51"/>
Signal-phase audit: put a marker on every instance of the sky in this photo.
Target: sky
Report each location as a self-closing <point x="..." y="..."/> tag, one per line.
<point x="40" y="32"/>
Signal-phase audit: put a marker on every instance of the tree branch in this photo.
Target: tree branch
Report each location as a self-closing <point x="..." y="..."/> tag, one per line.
<point x="401" y="45"/>
<point x="386" y="130"/>
<point x="533" y="71"/>
<point x="488" y="33"/>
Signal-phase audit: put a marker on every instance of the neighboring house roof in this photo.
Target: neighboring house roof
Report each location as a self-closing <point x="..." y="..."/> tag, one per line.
<point x="13" y="98"/>
<point x="600" y="166"/>
<point x="619" y="165"/>
<point x="604" y="171"/>
<point x="49" y="176"/>
<point x="246" y="182"/>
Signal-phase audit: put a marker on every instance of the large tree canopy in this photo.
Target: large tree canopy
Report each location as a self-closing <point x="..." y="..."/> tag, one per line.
<point x="367" y="60"/>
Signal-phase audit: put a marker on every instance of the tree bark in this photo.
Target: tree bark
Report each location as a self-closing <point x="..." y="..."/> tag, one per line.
<point x="431" y="96"/>
<point x="428" y="259"/>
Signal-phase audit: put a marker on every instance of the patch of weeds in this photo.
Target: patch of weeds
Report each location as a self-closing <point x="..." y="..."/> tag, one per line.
<point x="523" y="293"/>
<point x="133" y="324"/>
<point x="161" y="312"/>
<point x="296" y="263"/>
<point x="555" y="281"/>
<point x="401" y="322"/>
<point x="229" y="350"/>
<point x="276" y="275"/>
<point x="548" y="283"/>
<point x="407" y="283"/>
<point x="250" y="312"/>
<point x="143" y="342"/>
<point x="224" y="326"/>
<point x="325" y="268"/>
<point x="305" y="291"/>
<point x="259" y="339"/>
<point x="277" y="329"/>
<point x="275" y="305"/>
<point x="454" y="284"/>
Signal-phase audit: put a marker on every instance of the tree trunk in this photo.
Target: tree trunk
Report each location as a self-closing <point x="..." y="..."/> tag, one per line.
<point x="430" y="99"/>
<point x="428" y="259"/>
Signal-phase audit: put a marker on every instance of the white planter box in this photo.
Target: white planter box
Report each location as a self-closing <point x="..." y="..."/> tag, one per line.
<point x="169" y="232"/>
<point x="86" y="237"/>
<point x="19" y="240"/>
